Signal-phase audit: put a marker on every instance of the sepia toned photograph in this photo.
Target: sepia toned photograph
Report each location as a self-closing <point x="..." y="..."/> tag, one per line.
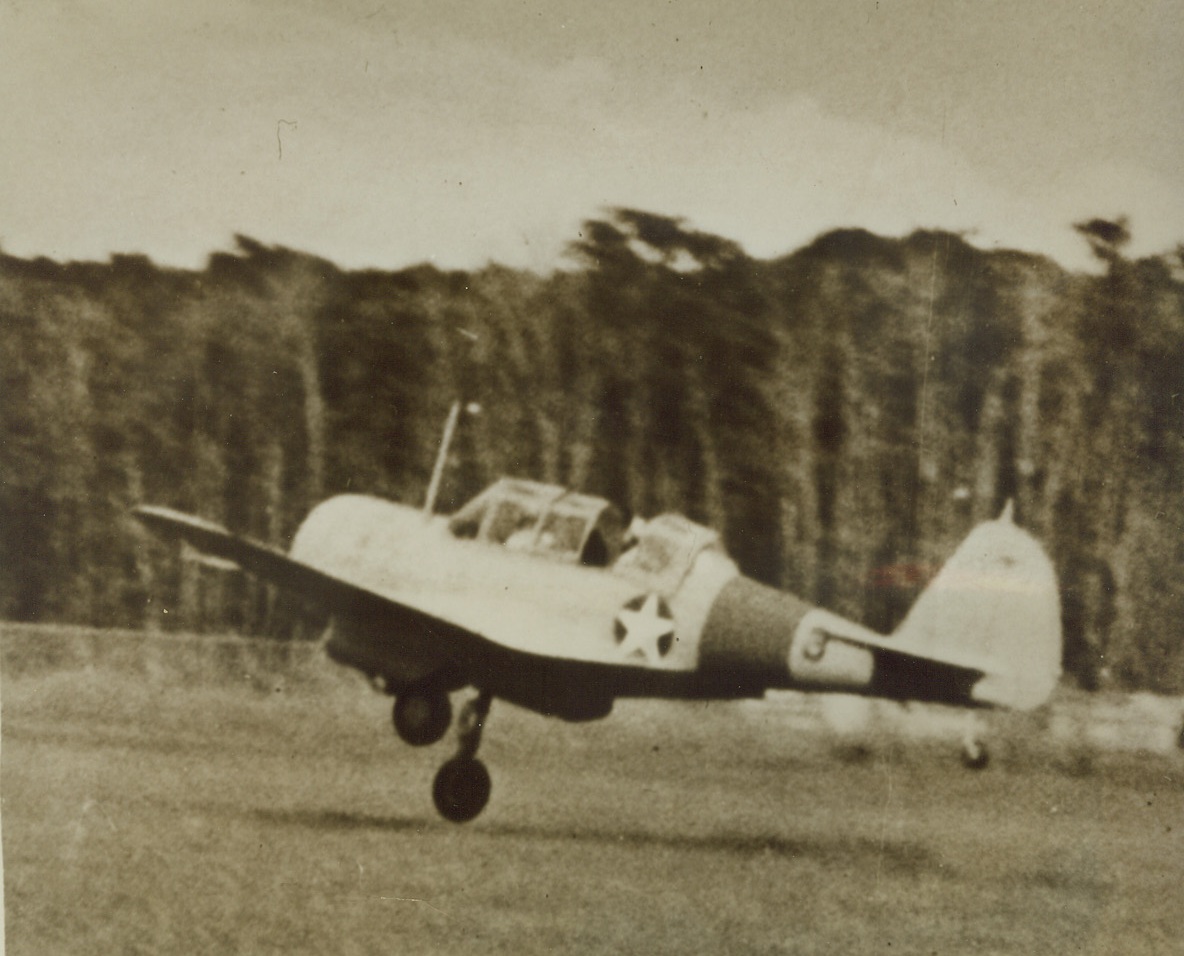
<point x="537" y="477"/>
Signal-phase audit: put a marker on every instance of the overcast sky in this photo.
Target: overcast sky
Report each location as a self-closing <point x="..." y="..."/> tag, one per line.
<point x="383" y="132"/>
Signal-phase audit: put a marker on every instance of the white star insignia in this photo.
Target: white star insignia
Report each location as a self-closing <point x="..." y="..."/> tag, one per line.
<point x="645" y="626"/>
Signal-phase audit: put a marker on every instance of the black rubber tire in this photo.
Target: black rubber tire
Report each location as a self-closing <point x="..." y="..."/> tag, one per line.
<point x="421" y="717"/>
<point x="975" y="756"/>
<point x="461" y="789"/>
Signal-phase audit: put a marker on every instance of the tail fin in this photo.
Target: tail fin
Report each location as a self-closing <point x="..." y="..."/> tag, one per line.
<point x="994" y="602"/>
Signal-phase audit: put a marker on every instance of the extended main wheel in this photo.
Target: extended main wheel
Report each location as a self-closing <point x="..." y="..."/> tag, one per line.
<point x="421" y="717"/>
<point x="461" y="789"/>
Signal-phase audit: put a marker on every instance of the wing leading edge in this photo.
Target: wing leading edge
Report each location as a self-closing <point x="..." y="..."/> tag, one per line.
<point x="377" y="613"/>
<point x="272" y="565"/>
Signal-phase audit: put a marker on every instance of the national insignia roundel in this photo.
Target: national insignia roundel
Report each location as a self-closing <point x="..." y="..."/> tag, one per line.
<point x="645" y="626"/>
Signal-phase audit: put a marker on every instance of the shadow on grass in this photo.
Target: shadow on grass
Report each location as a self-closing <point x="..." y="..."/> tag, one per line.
<point x="900" y="857"/>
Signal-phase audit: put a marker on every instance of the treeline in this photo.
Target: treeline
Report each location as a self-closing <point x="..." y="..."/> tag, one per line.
<point x="842" y="415"/>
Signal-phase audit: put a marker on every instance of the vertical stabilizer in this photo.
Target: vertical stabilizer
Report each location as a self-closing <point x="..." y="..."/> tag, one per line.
<point x="995" y="602"/>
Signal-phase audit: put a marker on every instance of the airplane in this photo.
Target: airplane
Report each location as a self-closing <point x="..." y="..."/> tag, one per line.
<point x="554" y="601"/>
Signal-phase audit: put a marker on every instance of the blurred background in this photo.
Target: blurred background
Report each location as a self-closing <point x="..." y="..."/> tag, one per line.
<point x="841" y="414"/>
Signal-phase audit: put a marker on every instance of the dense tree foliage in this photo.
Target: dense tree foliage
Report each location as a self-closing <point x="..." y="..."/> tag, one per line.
<point x="842" y="415"/>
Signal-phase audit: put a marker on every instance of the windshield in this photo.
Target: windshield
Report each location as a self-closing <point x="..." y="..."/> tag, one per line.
<point x="542" y="519"/>
<point x="503" y="510"/>
<point x="512" y="523"/>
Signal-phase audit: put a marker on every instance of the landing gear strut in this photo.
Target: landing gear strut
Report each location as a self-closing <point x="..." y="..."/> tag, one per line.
<point x="462" y="785"/>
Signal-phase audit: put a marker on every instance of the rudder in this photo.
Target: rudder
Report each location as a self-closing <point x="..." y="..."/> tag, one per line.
<point x="995" y="603"/>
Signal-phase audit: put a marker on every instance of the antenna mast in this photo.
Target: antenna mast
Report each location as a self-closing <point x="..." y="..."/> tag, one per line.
<point x="442" y="456"/>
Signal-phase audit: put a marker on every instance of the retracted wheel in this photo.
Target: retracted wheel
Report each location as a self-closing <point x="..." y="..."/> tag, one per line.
<point x="975" y="755"/>
<point x="461" y="789"/>
<point x="422" y="717"/>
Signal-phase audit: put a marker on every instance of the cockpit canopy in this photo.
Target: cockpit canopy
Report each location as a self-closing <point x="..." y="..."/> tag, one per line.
<point x="666" y="547"/>
<point x="552" y="522"/>
<point x="543" y="519"/>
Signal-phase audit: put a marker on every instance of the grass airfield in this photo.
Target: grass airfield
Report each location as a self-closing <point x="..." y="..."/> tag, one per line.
<point x="150" y="816"/>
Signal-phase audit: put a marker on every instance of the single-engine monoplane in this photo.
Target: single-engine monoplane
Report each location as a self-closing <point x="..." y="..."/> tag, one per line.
<point x="554" y="601"/>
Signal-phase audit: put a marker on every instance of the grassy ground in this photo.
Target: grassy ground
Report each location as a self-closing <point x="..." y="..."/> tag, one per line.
<point x="146" y="818"/>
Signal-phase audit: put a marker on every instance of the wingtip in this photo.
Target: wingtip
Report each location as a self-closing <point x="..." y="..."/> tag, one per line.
<point x="1008" y="513"/>
<point x="159" y="517"/>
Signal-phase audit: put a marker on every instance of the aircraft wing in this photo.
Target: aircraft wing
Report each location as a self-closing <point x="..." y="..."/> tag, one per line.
<point x="523" y="626"/>
<point x="419" y="595"/>
<point x="275" y="567"/>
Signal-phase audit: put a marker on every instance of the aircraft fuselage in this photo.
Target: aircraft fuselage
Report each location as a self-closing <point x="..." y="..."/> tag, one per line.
<point x="706" y="631"/>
